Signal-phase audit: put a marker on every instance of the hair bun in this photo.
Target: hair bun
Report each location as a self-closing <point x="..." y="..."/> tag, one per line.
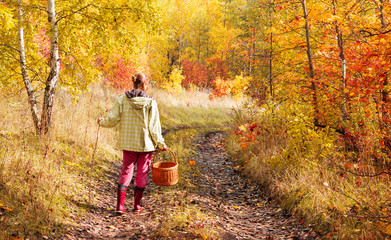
<point x="139" y="80"/>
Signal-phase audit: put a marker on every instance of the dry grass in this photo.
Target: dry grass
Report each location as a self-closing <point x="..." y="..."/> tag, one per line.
<point x="45" y="182"/>
<point x="38" y="188"/>
<point x="193" y="109"/>
<point x="194" y="99"/>
<point x="297" y="164"/>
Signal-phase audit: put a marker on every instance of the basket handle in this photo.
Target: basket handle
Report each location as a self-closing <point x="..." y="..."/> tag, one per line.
<point x="162" y="150"/>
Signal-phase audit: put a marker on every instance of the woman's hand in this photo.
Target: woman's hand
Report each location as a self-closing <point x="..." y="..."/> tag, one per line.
<point x="99" y="119"/>
<point x="165" y="148"/>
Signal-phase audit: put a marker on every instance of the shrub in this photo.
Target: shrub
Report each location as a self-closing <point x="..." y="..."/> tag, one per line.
<point x="174" y="83"/>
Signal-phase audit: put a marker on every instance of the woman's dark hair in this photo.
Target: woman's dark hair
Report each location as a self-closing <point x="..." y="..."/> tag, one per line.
<point x="139" y="80"/>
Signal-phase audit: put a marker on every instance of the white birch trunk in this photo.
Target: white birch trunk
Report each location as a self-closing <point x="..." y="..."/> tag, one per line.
<point x="23" y="66"/>
<point x="52" y="79"/>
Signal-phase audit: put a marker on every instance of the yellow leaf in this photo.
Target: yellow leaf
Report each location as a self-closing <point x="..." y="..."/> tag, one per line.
<point x="243" y="128"/>
<point x="204" y="237"/>
<point x="9" y="209"/>
<point x="388" y="229"/>
<point x="352" y="94"/>
<point x="236" y="207"/>
<point x="346" y="90"/>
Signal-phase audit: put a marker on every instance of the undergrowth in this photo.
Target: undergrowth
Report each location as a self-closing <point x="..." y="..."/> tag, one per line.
<point x="45" y="180"/>
<point x="299" y="164"/>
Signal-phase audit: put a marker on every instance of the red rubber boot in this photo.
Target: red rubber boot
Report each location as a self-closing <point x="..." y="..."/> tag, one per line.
<point x="121" y="193"/>
<point x="138" y="195"/>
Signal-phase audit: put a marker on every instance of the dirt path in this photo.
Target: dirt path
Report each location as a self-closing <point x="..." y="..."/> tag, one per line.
<point x="242" y="208"/>
<point x="239" y="209"/>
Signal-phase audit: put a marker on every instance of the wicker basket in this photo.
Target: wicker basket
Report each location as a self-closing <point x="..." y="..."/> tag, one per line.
<point x="165" y="173"/>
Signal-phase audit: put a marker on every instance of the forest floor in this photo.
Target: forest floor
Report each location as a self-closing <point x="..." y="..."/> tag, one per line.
<point x="240" y="209"/>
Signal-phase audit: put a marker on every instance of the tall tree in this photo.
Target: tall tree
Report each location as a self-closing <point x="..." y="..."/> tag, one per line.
<point x="310" y="61"/>
<point x="23" y="66"/>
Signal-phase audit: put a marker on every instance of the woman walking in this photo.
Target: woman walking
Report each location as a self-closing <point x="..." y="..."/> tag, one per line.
<point x="139" y="135"/>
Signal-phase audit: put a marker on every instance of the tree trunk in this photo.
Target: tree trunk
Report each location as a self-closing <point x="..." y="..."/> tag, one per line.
<point x="180" y="47"/>
<point x="384" y="92"/>
<point x="52" y="79"/>
<point x="23" y="66"/>
<point x="343" y="65"/>
<point x="310" y="63"/>
<point x="382" y="18"/>
<point x="271" y="52"/>
<point x="251" y="51"/>
<point x="385" y="101"/>
<point x="199" y="44"/>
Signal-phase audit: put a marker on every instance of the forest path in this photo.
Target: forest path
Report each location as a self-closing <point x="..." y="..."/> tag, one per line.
<point x="240" y="209"/>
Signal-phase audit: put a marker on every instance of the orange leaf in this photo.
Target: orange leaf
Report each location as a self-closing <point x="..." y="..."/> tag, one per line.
<point x="192" y="163"/>
<point x="388" y="229"/>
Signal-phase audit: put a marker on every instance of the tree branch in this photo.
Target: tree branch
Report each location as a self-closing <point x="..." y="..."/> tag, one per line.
<point x="358" y="174"/>
<point x="13" y="48"/>
<point x="338" y="130"/>
<point x="374" y="34"/>
<point x="74" y="12"/>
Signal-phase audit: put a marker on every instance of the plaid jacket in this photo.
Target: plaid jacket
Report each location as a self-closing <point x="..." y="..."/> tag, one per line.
<point x="139" y="124"/>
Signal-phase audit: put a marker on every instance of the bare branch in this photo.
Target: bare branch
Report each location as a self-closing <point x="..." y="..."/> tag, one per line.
<point x="74" y="12"/>
<point x="13" y="48"/>
<point x="358" y="174"/>
<point x="37" y="7"/>
<point x="369" y="34"/>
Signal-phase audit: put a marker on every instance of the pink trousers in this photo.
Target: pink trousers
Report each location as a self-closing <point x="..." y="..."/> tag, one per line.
<point x="143" y="160"/>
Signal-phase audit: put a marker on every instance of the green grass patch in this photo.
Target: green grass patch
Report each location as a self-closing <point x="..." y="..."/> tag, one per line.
<point x="176" y="117"/>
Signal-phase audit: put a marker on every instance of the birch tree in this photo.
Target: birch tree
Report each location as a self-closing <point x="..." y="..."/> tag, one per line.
<point x="60" y="42"/>
<point x="23" y="66"/>
<point x="42" y="125"/>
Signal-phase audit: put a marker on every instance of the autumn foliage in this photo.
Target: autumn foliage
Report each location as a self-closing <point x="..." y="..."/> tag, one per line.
<point x="117" y="72"/>
<point x="195" y="73"/>
<point x="317" y="73"/>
